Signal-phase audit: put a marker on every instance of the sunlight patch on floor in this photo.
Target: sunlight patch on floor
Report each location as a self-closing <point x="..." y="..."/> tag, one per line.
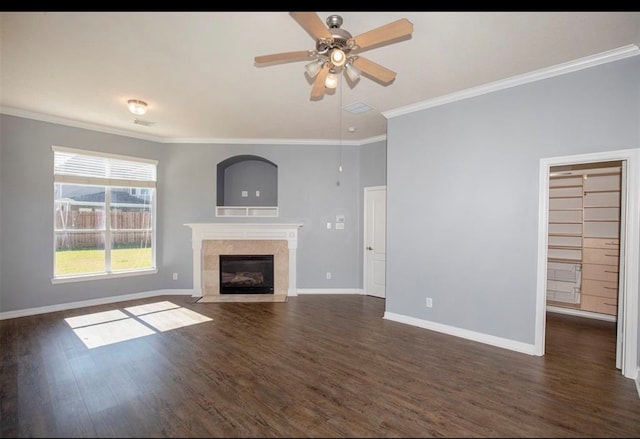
<point x="172" y="319"/>
<point x="114" y="326"/>
<point x="96" y="318"/>
<point x="102" y="334"/>
<point x="151" y="307"/>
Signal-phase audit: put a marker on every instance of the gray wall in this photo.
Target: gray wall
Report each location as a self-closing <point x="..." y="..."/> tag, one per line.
<point x="308" y="193"/>
<point x="462" y="191"/>
<point x="27" y="214"/>
<point x="251" y="176"/>
<point x="373" y="165"/>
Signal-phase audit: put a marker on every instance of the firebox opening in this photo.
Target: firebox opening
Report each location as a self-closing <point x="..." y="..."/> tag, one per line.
<point x="246" y="274"/>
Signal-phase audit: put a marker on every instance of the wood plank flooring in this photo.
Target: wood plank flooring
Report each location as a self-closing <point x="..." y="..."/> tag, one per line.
<point x="314" y="366"/>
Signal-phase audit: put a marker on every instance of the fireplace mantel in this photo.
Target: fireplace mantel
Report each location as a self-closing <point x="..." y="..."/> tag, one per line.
<point x="243" y="231"/>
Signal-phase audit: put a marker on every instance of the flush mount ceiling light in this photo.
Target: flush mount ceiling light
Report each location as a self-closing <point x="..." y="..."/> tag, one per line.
<point x="137" y="107"/>
<point x="337" y="51"/>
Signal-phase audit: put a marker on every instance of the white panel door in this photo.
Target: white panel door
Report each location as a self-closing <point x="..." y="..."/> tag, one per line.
<point x="375" y="235"/>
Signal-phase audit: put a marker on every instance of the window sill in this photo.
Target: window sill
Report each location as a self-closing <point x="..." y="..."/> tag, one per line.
<point x="98" y="276"/>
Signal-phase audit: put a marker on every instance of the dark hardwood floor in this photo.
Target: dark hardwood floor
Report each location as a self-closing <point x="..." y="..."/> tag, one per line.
<point x="315" y="366"/>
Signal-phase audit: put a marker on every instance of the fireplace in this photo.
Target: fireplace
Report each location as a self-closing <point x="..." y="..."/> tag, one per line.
<point x="246" y="274"/>
<point x="211" y="240"/>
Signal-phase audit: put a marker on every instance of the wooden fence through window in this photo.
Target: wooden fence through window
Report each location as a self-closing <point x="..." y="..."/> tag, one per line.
<point x="83" y="230"/>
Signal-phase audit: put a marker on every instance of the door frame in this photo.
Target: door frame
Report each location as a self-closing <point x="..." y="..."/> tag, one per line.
<point x="365" y="231"/>
<point x="630" y="254"/>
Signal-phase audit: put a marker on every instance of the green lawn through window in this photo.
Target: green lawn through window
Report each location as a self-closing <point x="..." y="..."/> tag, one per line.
<point x="71" y="262"/>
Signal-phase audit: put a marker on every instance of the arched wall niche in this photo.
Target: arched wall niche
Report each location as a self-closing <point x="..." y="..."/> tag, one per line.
<point x="247" y="185"/>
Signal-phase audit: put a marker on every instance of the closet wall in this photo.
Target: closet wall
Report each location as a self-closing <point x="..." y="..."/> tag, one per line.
<point x="584" y="237"/>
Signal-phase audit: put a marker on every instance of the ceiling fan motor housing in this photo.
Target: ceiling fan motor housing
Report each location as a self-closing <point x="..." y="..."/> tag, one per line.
<point x="334" y="21"/>
<point x="340" y="38"/>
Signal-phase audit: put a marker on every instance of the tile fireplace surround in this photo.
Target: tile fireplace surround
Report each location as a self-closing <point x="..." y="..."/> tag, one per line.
<point x="209" y="240"/>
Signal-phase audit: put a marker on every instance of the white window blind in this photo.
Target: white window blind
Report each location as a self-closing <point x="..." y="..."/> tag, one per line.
<point x="85" y="167"/>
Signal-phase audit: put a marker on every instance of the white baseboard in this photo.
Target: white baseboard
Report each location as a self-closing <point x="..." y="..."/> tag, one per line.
<point x="500" y="342"/>
<point x="102" y="301"/>
<point x="580" y="313"/>
<point x="330" y="291"/>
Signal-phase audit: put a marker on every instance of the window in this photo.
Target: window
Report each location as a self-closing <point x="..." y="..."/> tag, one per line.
<point x="104" y="214"/>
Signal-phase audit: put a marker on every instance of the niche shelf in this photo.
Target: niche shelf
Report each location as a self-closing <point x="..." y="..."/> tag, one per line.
<point x="247" y="211"/>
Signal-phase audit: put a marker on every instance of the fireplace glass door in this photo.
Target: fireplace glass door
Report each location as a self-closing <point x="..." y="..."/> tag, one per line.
<point x="246" y="274"/>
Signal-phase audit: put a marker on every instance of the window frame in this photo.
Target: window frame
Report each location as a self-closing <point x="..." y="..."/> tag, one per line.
<point x="108" y="183"/>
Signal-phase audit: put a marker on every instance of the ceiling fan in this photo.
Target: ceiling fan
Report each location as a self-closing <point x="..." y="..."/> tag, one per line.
<point x="338" y="51"/>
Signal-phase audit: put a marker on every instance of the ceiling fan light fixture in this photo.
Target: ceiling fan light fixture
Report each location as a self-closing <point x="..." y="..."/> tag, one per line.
<point x="334" y="48"/>
<point x="331" y="81"/>
<point x="338" y="57"/>
<point x="137" y="106"/>
<point x="314" y="67"/>
<point x="352" y="72"/>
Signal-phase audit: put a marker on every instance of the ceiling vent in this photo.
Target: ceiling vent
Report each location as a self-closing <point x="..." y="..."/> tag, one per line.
<point x="145" y="123"/>
<point x="357" y="108"/>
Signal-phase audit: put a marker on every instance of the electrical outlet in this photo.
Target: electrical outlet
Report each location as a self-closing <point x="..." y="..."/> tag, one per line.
<point x="175" y="276"/>
<point x="429" y="302"/>
<point x="328" y="275"/>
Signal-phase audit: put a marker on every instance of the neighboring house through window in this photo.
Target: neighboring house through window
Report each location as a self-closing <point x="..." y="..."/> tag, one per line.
<point x="104" y="214"/>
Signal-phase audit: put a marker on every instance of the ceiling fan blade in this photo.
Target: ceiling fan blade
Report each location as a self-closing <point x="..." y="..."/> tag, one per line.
<point x="317" y="91"/>
<point x="383" y="34"/>
<point x="299" y="55"/>
<point x="381" y="74"/>
<point x="313" y="24"/>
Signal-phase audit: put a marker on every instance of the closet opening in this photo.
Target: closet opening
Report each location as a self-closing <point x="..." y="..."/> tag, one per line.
<point x="588" y="239"/>
<point x="583" y="258"/>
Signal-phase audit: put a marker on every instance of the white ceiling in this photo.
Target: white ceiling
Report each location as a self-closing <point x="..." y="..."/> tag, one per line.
<point x="196" y="70"/>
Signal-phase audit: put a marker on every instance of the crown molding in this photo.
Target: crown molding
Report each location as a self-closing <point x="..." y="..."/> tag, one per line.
<point x="537" y="75"/>
<point x="76" y="124"/>
<point x="104" y="129"/>
<point x="312" y="142"/>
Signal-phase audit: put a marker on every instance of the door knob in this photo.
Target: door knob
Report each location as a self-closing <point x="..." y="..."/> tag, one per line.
<point x="369" y="248"/>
